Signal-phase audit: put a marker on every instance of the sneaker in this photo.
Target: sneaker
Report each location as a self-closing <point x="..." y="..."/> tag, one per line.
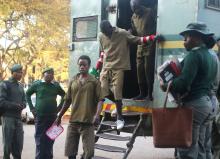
<point x="114" y="113"/>
<point x="120" y="124"/>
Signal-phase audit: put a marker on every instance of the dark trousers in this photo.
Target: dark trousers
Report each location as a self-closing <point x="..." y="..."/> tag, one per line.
<point x="216" y="134"/>
<point x="13" y="136"/>
<point x="44" y="145"/>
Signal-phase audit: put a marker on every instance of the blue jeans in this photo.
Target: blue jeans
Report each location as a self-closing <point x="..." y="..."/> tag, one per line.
<point x="202" y="110"/>
<point x="44" y="145"/>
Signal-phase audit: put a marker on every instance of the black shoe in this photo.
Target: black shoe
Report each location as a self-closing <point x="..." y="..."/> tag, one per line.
<point x="72" y="157"/>
<point x="150" y="98"/>
<point x="139" y="97"/>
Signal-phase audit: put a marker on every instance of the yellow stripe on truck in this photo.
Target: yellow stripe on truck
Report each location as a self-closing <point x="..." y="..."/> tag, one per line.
<point x="127" y="108"/>
<point x="171" y="45"/>
<point x="176" y="45"/>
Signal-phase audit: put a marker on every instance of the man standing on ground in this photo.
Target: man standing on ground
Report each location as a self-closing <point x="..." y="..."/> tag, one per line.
<point x="144" y="24"/>
<point x="45" y="111"/>
<point x="84" y="93"/>
<point x="12" y="100"/>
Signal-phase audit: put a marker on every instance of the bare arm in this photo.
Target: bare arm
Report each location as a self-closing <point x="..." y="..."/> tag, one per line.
<point x="96" y="119"/>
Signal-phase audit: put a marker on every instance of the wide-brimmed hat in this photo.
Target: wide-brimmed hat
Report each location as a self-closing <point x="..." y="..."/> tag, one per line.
<point x="202" y="29"/>
<point x="197" y="27"/>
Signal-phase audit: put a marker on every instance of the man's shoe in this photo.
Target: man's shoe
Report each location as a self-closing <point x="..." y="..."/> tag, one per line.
<point x="139" y="97"/>
<point x="120" y="124"/>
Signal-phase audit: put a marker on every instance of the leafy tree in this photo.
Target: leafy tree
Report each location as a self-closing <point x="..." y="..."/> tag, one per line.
<point x="34" y="33"/>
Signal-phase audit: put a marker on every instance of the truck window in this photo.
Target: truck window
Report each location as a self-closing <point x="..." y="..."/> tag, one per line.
<point x="85" y="28"/>
<point x="213" y="4"/>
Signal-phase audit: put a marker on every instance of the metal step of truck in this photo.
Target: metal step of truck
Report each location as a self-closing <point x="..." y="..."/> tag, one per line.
<point x="110" y="148"/>
<point x="113" y="137"/>
<point x="113" y="124"/>
<point x="99" y="157"/>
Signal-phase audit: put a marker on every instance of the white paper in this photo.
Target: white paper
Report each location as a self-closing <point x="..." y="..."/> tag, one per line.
<point x="54" y="131"/>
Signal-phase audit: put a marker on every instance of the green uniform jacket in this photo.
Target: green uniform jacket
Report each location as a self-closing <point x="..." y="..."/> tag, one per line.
<point x="46" y="95"/>
<point x="12" y="94"/>
<point x="198" y="74"/>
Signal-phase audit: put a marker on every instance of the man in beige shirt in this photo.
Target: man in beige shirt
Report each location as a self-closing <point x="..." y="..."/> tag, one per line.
<point x="144" y="24"/>
<point x="114" y="42"/>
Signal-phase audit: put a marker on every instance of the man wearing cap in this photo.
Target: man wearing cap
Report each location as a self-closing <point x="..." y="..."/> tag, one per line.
<point x="12" y="100"/>
<point x="45" y="110"/>
<point x="143" y="24"/>
<point x="198" y="73"/>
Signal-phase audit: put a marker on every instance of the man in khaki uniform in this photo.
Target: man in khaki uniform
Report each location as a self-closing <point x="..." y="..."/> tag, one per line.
<point x="114" y="42"/>
<point x="144" y="24"/>
<point x="84" y="93"/>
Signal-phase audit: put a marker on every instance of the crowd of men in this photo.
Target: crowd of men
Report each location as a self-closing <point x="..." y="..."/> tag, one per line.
<point x="199" y="78"/>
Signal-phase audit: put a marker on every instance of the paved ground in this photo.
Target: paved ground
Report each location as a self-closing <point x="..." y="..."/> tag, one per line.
<point x="143" y="147"/>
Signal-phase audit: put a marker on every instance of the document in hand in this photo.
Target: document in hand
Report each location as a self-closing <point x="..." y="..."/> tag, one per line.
<point x="167" y="72"/>
<point x="54" y="131"/>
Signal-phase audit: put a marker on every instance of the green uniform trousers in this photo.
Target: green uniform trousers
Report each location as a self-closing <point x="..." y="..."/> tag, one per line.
<point x="13" y="136"/>
<point x="74" y="131"/>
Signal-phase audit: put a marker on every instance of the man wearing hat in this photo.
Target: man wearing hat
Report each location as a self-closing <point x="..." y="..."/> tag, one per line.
<point x="12" y="101"/>
<point x="198" y="73"/>
<point x="45" y="110"/>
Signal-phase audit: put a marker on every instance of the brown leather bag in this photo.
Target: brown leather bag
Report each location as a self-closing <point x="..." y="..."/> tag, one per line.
<point x="172" y="127"/>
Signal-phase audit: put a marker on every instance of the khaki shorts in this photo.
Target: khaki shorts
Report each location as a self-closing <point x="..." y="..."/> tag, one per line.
<point x="112" y="81"/>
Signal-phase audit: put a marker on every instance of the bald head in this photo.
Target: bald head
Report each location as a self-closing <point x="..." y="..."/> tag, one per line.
<point x="106" y="28"/>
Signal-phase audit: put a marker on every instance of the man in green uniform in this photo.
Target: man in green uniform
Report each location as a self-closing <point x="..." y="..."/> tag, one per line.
<point x="84" y="93"/>
<point x="45" y="110"/>
<point x="195" y="81"/>
<point x="12" y="100"/>
<point x="144" y="24"/>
